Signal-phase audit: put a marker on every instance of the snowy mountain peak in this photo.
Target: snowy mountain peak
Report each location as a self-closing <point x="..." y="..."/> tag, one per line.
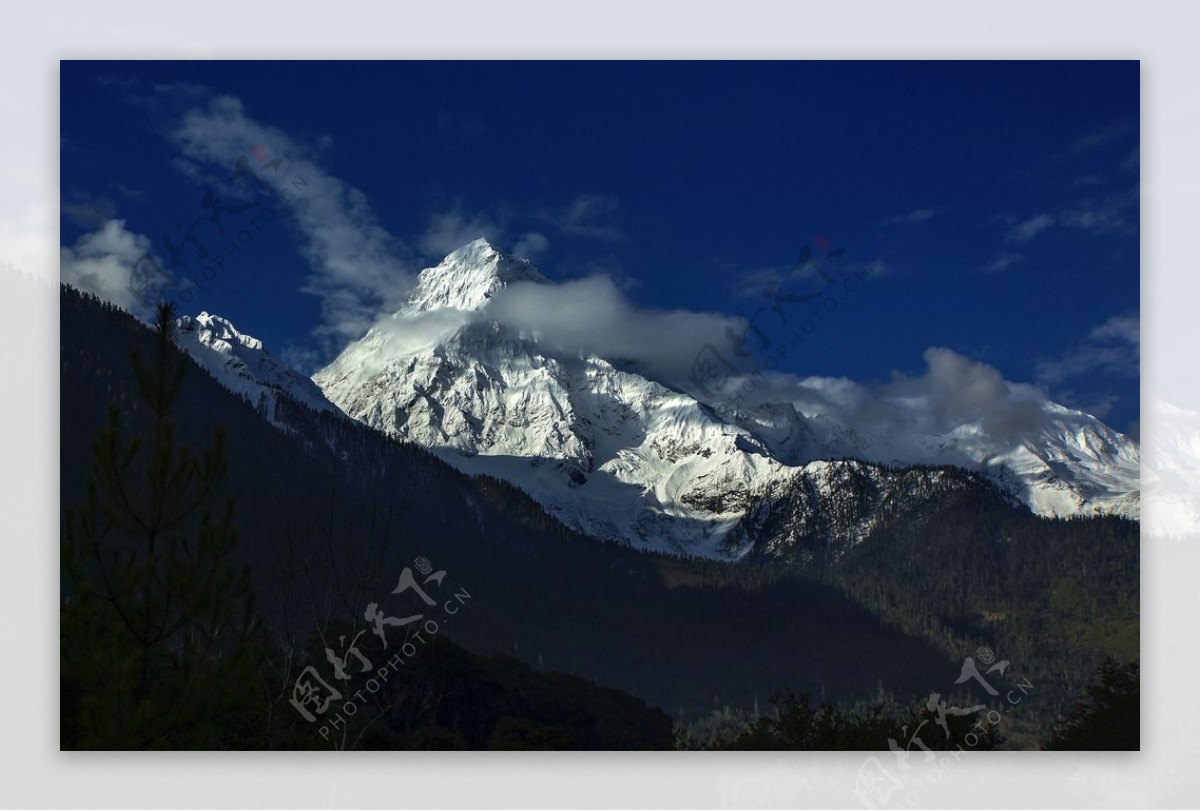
<point x="243" y="365"/>
<point x="468" y="278"/>
<point x="218" y="333"/>
<point x="620" y="456"/>
<point x="474" y="252"/>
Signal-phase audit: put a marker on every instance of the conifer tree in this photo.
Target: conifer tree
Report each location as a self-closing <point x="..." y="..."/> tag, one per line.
<point x="158" y="641"/>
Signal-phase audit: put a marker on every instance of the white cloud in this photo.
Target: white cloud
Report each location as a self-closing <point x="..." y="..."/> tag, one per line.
<point x="952" y="391"/>
<point x="959" y="390"/>
<point x="1102" y="215"/>
<point x="1112" y="348"/>
<point x="1097" y="215"/>
<point x="300" y="357"/>
<point x="1111" y="351"/>
<point x="130" y="193"/>
<point x="1003" y="262"/>
<point x="1127" y="328"/>
<point x="358" y="269"/>
<point x="592" y="316"/>
<point x="1028" y="229"/>
<point x="109" y="263"/>
<point x="531" y="245"/>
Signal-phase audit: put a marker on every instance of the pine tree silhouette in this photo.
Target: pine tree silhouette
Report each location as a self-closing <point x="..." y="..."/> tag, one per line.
<point x="158" y="638"/>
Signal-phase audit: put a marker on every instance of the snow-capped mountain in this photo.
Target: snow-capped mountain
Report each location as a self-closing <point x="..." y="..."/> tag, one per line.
<point x="1067" y="463"/>
<point x="611" y="453"/>
<point x="242" y="364"/>
<point x="1072" y="464"/>
<point x="620" y="456"/>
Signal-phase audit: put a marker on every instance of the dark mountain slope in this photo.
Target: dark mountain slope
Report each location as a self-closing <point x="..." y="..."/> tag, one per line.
<point x="330" y="512"/>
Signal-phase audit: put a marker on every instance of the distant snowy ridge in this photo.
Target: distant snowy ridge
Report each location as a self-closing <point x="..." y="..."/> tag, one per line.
<point x="243" y="365"/>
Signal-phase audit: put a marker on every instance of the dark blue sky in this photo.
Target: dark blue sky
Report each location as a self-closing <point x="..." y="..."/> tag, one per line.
<point x="996" y="203"/>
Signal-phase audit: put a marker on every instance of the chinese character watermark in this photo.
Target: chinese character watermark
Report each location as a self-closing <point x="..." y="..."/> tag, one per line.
<point x="314" y="694"/>
<point x="191" y="243"/>
<point x="722" y="375"/>
<point x="876" y="784"/>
